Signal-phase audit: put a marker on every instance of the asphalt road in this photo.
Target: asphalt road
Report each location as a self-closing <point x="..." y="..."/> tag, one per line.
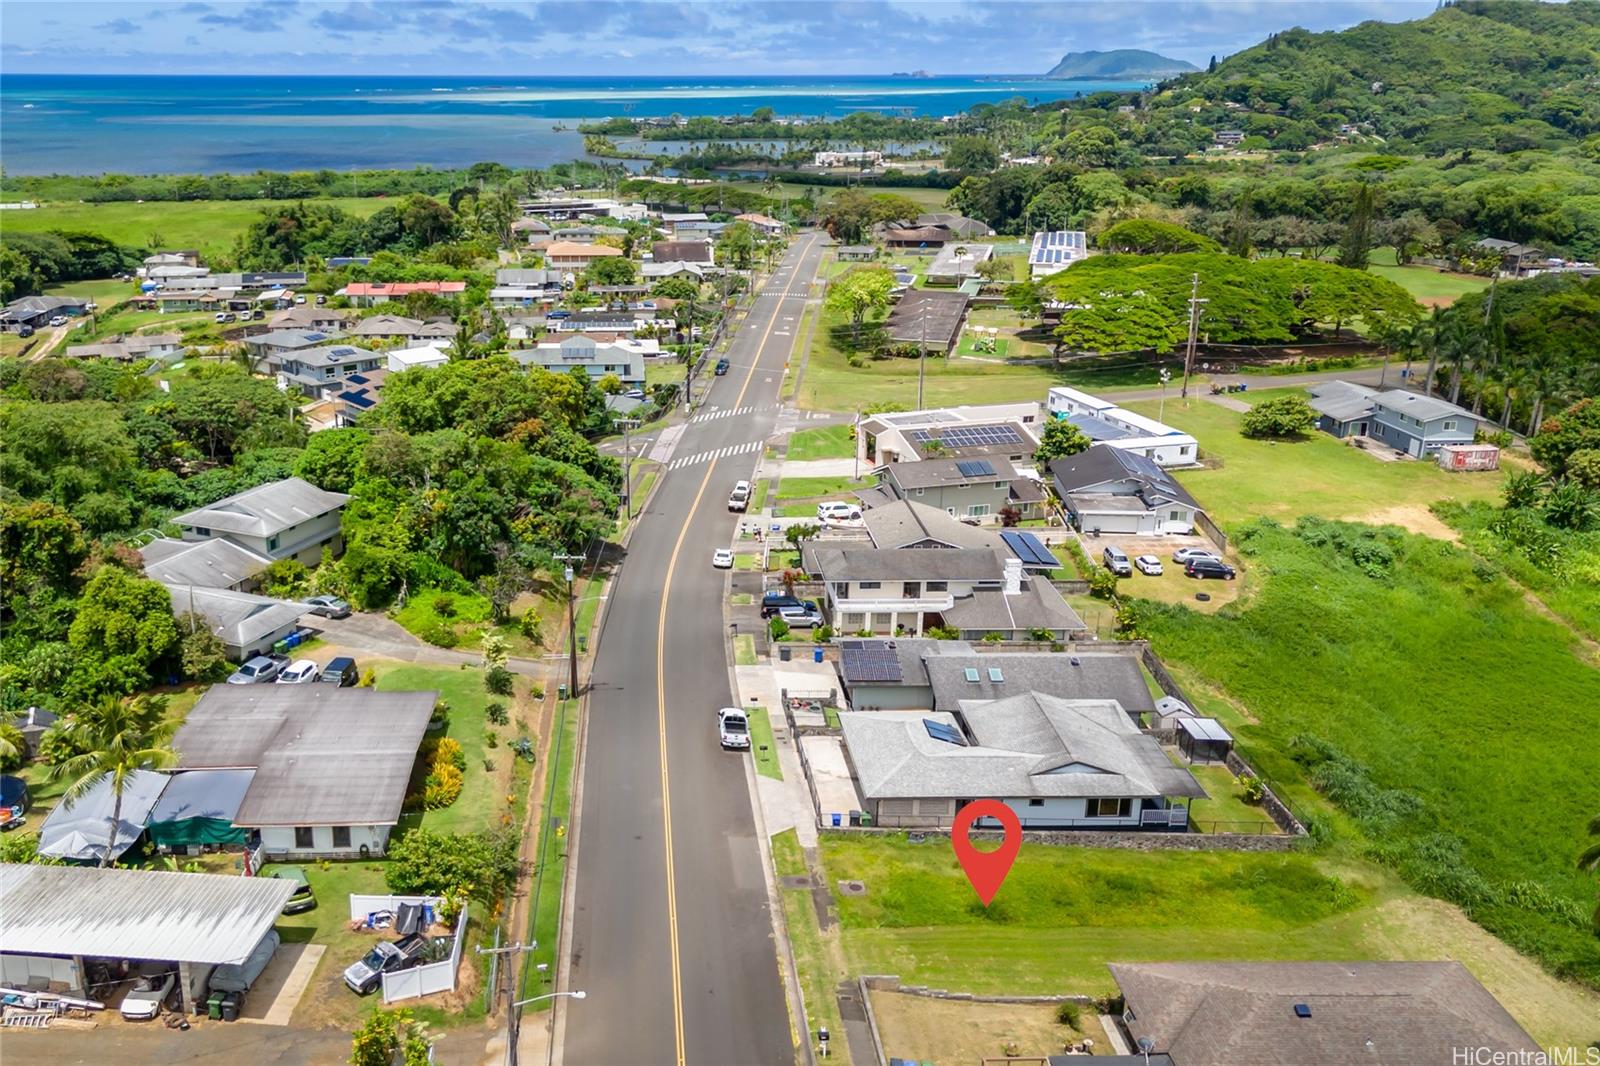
<point x="671" y="936"/>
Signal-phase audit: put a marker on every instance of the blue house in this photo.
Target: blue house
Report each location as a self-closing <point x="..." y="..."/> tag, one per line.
<point x="1405" y="421"/>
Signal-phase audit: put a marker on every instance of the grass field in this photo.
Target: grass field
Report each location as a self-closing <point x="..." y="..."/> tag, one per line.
<point x="1317" y="475"/>
<point x="211" y="226"/>
<point x="1428" y="285"/>
<point x="805" y="488"/>
<point x="104" y="292"/>
<point x="932" y="199"/>
<point x="824" y="442"/>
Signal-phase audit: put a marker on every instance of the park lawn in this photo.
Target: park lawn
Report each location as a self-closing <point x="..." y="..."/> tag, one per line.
<point x="1315" y="475"/>
<point x="763" y="747"/>
<point x="824" y="442"/>
<point x="1430" y="286"/>
<point x="1464" y="716"/>
<point x="210" y="226"/>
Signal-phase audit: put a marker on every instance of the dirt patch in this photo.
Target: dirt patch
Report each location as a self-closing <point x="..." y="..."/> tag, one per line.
<point x="1413" y="518"/>
<point x="1554" y="1012"/>
<point x="960" y="1031"/>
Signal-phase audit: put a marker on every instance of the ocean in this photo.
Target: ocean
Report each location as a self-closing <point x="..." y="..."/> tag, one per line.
<point x="92" y="124"/>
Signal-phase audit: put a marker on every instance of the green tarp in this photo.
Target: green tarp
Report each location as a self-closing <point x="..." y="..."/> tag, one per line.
<point x="198" y="807"/>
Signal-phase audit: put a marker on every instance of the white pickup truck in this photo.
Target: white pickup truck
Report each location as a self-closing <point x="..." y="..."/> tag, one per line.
<point x="261" y="669"/>
<point x="739" y="498"/>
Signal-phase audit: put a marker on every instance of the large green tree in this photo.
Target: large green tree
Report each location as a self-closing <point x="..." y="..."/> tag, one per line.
<point x="123" y="629"/>
<point x="859" y="292"/>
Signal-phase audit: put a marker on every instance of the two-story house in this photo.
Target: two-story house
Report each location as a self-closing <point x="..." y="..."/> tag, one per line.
<point x="1108" y="490"/>
<point x="1103" y="422"/>
<point x="272" y="348"/>
<point x="1408" y="422"/>
<point x="288" y="519"/>
<point x="968" y="488"/>
<point x="319" y="372"/>
<point x="622" y="357"/>
<point x="397" y="327"/>
<point x="571" y="255"/>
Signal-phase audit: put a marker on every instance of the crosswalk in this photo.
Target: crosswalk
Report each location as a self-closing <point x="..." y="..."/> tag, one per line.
<point x="712" y="456"/>
<point x="730" y="412"/>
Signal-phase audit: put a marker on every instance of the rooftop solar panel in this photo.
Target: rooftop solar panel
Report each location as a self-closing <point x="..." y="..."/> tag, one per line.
<point x="975" y="468"/>
<point x="969" y="436"/>
<point x="869" y="660"/>
<point x="940" y="731"/>
<point x="1030" y="549"/>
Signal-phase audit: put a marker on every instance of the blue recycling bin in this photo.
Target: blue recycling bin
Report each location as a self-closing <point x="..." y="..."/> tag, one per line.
<point x="836" y="820"/>
<point x="816" y="654"/>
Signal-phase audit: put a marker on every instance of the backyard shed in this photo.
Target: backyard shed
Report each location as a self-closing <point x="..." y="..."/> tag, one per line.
<point x="81" y="831"/>
<point x="198" y="808"/>
<point x="1203" y="740"/>
<point x="1469" y="457"/>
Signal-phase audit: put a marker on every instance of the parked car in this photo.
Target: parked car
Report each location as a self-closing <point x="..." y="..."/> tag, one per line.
<point x="224" y="316"/>
<point x="148" y="995"/>
<point x="739" y="498"/>
<point x="240" y="976"/>
<point x="328" y="606"/>
<point x="299" y="300"/>
<point x="322" y="299"/>
<point x="1116" y="561"/>
<point x="722" y="558"/>
<point x="303" y="899"/>
<point x="1183" y="555"/>
<point x="24" y="331"/>
<point x="299" y="672"/>
<point x="777" y="600"/>
<point x="838" y="511"/>
<point x="1204" y="568"/>
<point x="801" y="617"/>
<point x="733" y="729"/>
<point x="1148" y="564"/>
<point x="260" y="669"/>
<point x="722" y="367"/>
<point x="341" y="670"/>
<point x="366" y="975"/>
<point x="58" y="320"/>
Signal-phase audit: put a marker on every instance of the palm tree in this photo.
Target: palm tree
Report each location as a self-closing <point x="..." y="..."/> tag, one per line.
<point x="1589" y="861"/>
<point x="122" y="737"/>
<point x="1429" y="341"/>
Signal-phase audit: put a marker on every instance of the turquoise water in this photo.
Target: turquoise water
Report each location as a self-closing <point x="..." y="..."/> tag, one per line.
<point x="80" y="124"/>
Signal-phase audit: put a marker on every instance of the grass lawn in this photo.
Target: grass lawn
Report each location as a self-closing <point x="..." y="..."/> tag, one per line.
<point x="1462" y="720"/>
<point x="1317" y="475"/>
<point x="1428" y="285"/>
<point x="806" y="488"/>
<point x="1223" y="811"/>
<point x="466" y="614"/>
<point x="758" y="495"/>
<point x="824" y="442"/>
<point x="818" y="956"/>
<point x="105" y="292"/>
<point x="763" y="746"/>
<point x="208" y="225"/>
<point x="664" y="371"/>
<point x="545" y="920"/>
<point x="744" y="650"/>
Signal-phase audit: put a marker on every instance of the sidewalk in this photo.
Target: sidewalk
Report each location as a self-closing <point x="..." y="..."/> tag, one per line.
<point x="823" y="467"/>
<point x="785" y="804"/>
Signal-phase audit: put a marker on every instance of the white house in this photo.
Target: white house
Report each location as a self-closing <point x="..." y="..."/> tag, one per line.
<point x="1056" y="250"/>
<point x="1007" y="430"/>
<point x="1103" y="422"/>
<point x="288" y="519"/>
<point x="426" y="356"/>
<point x="1107" y="490"/>
<point x="623" y="357"/>
<point x="846" y="159"/>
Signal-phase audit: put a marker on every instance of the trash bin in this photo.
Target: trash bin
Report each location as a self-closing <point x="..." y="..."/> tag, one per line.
<point x="214" y="1006"/>
<point x="231" y="1004"/>
<point x="816" y="654"/>
<point x="561" y="691"/>
<point x="836" y="819"/>
<point x="855" y="819"/>
<point x="783" y="652"/>
<point x="866" y="819"/>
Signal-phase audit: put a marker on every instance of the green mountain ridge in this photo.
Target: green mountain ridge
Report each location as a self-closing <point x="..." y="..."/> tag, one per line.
<point x="1119" y="63"/>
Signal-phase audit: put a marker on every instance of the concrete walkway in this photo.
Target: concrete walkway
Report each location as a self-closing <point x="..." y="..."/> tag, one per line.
<point x="1232" y="403"/>
<point x="785" y="804"/>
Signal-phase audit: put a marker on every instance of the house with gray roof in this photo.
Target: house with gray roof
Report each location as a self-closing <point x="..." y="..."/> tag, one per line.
<point x="38" y="310"/>
<point x="1344" y="408"/>
<point x="1374" y="1013"/>
<point x="216" y="563"/>
<point x="978" y="488"/>
<point x="331" y="764"/>
<point x="1058" y="763"/>
<point x="1406" y="421"/>
<point x="329" y="320"/>
<point x="288" y="519"/>
<point x="320" y="372"/>
<point x="129" y="348"/>
<point x="398" y="327"/>
<point x="1112" y="490"/>
<point x="247" y="624"/>
<point x="276" y="345"/>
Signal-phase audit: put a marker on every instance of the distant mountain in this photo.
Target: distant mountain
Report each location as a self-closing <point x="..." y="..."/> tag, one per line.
<point x="1120" y="63"/>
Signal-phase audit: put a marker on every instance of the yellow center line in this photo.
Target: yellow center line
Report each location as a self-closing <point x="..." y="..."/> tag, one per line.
<point x="661" y="703"/>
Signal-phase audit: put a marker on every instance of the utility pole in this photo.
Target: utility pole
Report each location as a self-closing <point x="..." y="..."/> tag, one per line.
<point x="627" y="424"/>
<point x="1194" y="332"/>
<point x="513" y="1015"/>
<point x="571" y="576"/>
<point x="1166" y="376"/>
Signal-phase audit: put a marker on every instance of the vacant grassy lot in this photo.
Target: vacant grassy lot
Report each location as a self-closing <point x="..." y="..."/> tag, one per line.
<point x="1316" y="475"/>
<point x="920" y="1029"/>
<point x="824" y="442"/>
<point x="1462" y="721"/>
<point x="104" y="293"/>
<point x="1431" y="287"/>
<point x="211" y="226"/>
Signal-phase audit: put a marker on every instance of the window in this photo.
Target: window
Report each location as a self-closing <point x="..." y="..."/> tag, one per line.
<point x="971" y="673"/>
<point x="1108" y="808"/>
<point x="848" y="622"/>
<point x="995" y="674"/>
<point x="882" y="619"/>
<point x="1183" y="450"/>
<point x="978" y="510"/>
<point x="302" y="836"/>
<point x="865" y="585"/>
<point x="1175" y="516"/>
<point x="938" y="586"/>
<point x="1450" y="425"/>
<point x="841" y="590"/>
<point x="911" y="589"/>
<point x="272" y="544"/>
<point x="999" y="484"/>
<point x="341" y="836"/>
<point x="1036" y="803"/>
<point x="921" y="491"/>
<point x="202" y="531"/>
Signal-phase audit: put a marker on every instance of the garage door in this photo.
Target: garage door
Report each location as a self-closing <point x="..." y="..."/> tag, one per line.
<point x="1114" y="522"/>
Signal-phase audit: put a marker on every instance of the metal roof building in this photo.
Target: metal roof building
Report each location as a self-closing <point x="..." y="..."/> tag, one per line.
<point x="1056" y="250"/>
<point x="265" y="509"/>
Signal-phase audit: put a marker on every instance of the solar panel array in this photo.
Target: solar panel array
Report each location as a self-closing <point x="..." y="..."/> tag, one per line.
<point x="975" y="468"/>
<point x="968" y="436"/>
<point x="940" y="731"/>
<point x="869" y="660"/>
<point x="1030" y="549"/>
<point x="1057" y="247"/>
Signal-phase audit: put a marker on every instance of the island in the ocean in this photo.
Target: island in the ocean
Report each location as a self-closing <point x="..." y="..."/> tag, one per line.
<point x="1119" y="64"/>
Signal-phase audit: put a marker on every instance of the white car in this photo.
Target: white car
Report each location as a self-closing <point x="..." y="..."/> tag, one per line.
<point x="1183" y="555"/>
<point x="59" y="320"/>
<point x="300" y="672"/>
<point x="1148" y="564"/>
<point x="838" y="511"/>
<point x="148" y="994"/>
<point x="733" y="729"/>
<point x="722" y="558"/>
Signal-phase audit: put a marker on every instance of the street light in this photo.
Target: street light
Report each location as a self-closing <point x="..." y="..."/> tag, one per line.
<point x="579" y="994"/>
<point x="1166" y="376"/>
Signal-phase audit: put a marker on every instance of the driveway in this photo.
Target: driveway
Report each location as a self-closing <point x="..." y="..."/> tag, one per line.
<point x="381" y="635"/>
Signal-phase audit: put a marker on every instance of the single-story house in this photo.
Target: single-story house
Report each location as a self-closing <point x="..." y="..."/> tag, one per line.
<point x="331" y="764"/>
<point x="284" y="519"/>
<point x="58" y="916"/>
<point x="397" y="327"/>
<point x="1377" y="1013"/>
<point x="38" y="310"/>
<point x="764" y="224"/>
<point x="597" y="359"/>
<point x="129" y="348"/>
<point x="1405" y="421"/>
<point x="531" y="227"/>
<point x="971" y="488"/>
<point x="1009" y="431"/>
<point x="929" y="318"/>
<point x="597" y="320"/>
<point x="698" y="231"/>
<point x="571" y="255"/>
<point x="247" y="624"/>
<point x="857" y="253"/>
<point x="82" y="831"/>
<point x="527" y="278"/>
<point x="1515" y="259"/>
<point x="702" y="252"/>
<point x="959" y="225"/>
<point x="844" y="158"/>
<point x="958" y="262"/>
<point x="32" y="722"/>
<point x="1055" y="250"/>
<point x="370" y="293"/>
<point x="426" y="356"/>
<point x="1058" y="763"/>
<point x="188" y="257"/>
<point x="217" y="563"/>
<point x="654" y="271"/>
<point x="917" y="238"/>
<point x="1108" y="490"/>
<point x="197" y="809"/>
<point x="1103" y="422"/>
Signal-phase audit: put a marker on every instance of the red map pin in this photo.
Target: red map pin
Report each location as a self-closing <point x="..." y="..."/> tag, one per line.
<point x="986" y="870"/>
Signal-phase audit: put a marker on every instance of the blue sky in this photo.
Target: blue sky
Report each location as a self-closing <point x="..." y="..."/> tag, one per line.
<point x="600" y="37"/>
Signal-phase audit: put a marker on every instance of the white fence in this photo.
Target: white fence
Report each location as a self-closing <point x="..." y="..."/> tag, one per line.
<point x="432" y="977"/>
<point x="361" y="906"/>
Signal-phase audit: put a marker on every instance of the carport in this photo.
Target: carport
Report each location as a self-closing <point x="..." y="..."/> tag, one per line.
<point x="56" y="916"/>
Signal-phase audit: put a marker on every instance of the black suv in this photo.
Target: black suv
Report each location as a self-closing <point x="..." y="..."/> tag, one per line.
<point x="722" y="367"/>
<point x="773" y="602"/>
<point x="1204" y="568"/>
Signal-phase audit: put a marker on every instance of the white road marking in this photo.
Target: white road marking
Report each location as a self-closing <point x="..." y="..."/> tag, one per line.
<point x="719" y="453"/>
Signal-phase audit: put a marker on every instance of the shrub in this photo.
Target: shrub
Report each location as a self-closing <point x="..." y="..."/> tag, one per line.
<point x="1102" y="583"/>
<point x="939" y="633"/>
<point x="524" y="748"/>
<point x="491" y="739"/>
<point x="495" y="650"/>
<point x="369" y="677"/>
<point x="444" y="605"/>
<point x="531" y="626"/>
<point x="1251" y="790"/>
<point x="441" y="635"/>
<point x="1286" y="416"/>
<point x="474" y="865"/>
<point x="822" y="634"/>
<point x="496" y="714"/>
<point x="13" y="745"/>
<point x="488" y="766"/>
<point x="993" y="638"/>
<point x="537" y="692"/>
<point x="777" y="628"/>
<point x="442" y="787"/>
<point x="1070" y="1014"/>
<point x="448" y="750"/>
<point x="59" y="743"/>
<point x="499" y="680"/>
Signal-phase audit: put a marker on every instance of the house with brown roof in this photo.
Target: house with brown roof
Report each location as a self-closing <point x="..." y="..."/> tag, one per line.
<point x="570" y="255"/>
<point x="700" y="252"/>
